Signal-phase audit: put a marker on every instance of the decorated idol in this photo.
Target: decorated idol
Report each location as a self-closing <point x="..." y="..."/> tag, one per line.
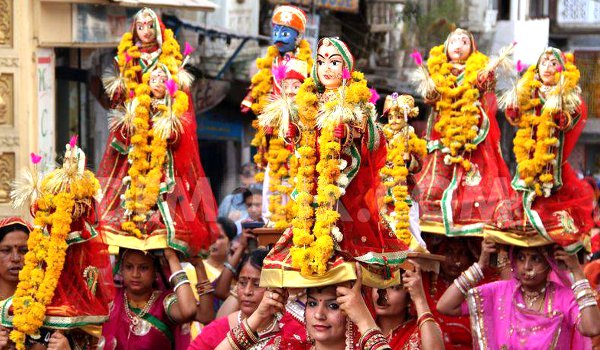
<point x="155" y="192"/>
<point x="405" y="151"/>
<point x="66" y="283"/>
<point x="550" y="115"/>
<point x="338" y="192"/>
<point x="275" y="121"/>
<point x="465" y="183"/>
<point x="288" y="26"/>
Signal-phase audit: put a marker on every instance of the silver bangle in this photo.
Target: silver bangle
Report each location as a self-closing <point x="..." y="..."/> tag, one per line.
<point x="180" y="284"/>
<point x="174" y="274"/>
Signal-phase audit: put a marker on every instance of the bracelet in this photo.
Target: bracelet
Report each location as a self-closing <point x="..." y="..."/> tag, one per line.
<point x="368" y="334"/>
<point x="228" y="266"/>
<point x="423" y="316"/>
<point x="253" y="335"/>
<point x="579" y="284"/>
<point x="428" y="319"/>
<point x="460" y="287"/>
<point x="241" y="338"/>
<point x="175" y="274"/>
<point x="587" y="303"/>
<point x="373" y="339"/>
<point x="181" y="283"/>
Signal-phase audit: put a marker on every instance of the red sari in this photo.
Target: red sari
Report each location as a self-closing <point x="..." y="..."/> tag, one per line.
<point x="406" y="336"/>
<point x="117" y="333"/>
<point x="456" y="330"/>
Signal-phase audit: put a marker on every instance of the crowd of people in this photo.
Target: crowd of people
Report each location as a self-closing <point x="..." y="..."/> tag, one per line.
<point x="385" y="240"/>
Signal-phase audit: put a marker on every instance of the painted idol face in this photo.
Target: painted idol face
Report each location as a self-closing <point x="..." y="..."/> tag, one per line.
<point x="157" y="82"/>
<point x="284" y="38"/>
<point x="144" y="28"/>
<point x="548" y="67"/>
<point x="459" y="47"/>
<point x="330" y="65"/>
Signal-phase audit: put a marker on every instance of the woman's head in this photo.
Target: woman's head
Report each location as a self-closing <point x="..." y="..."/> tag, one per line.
<point x="325" y="321"/>
<point x="390" y="302"/>
<point x="248" y="286"/>
<point x="333" y="56"/>
<point x="460" y="45"/>
<point x="14" y="233"/>
<point x="551" y="61"/>
<point x="531" y="266"/>
<point x="139" y="271"/>
<point x="227" y="232"/>
<point x="458" y="257"/>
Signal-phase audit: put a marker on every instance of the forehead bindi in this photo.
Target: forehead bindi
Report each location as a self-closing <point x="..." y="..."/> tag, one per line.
<point x="144" y="21"/>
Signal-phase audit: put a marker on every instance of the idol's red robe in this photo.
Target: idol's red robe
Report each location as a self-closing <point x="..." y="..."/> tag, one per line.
<point x="460" y="202"/>
<point x="184" y="217"/>
<point x="567" y="214"/>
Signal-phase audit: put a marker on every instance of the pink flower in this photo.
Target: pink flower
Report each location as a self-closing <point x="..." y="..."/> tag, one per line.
<point x="374" y="96"/>
<point x="35" y="159"/>
<point x="128" y="58"/>
<point x="346" y="74"/>
<point x="279" y="71"/>
<point x="131" y="94"/>
<point x="416" y="55"/>
<point x="559" y="69"/>
<point x="188" y="49"/>
<point x="73" y="141"/>
<point x="520" y="66"/>
<point x="395" y="96"/>
<point x="171" y="87"/>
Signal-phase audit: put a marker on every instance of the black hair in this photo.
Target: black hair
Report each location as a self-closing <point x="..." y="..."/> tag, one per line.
<point x="255" y="259"/>
<point x="11" y="228"/>
<point x="228" y="226"/>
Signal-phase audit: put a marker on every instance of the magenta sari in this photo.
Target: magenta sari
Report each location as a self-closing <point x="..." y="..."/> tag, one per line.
<point x="117" y="332"/>
<point x="501" y="321"/>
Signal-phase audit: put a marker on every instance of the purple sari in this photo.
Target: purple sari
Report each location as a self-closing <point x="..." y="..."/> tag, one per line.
<point x="117" y="330"/>
<point x="501" y="321"/>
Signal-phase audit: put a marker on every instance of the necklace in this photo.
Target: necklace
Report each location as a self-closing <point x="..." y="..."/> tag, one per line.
<point x="531" y="298"/>
<point x="138" y="325"/>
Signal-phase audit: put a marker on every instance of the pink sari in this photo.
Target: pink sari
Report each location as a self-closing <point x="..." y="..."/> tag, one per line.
<point x="211" y="335"/>
<point x="116" y="330"/>
<point x="501" y="321"/>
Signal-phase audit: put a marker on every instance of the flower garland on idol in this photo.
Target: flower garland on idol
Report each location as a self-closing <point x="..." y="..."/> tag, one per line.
<point x="63" y="196"/>
<point x="262" y="85"/>
<point x="149" y="143"/>
<point x="535" y="143"/>
<point x="314" y="230"/>
<point x="457" y="109"/>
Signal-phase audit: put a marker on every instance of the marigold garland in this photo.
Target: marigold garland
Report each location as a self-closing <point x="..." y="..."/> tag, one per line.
<point x="277" y="157"/>
<point x="458" y="113"/>
<point x="535" y="143"/>
<point x="314" y="230"/>
<point x="45" y="258"/>
<point x="394" y="176"/>
<point x="148" y="153"/>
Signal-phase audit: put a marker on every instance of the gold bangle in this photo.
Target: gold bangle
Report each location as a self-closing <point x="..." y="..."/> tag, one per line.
<point x="428" y="319"/>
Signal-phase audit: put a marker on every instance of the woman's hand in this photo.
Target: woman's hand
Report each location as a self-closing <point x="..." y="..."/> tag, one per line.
<point x="171" y="255"/>
<point x="273" y="301"/>
<point x="58" y="342"/>
<point x="352" y="303"/>
<point x="488" y="247"/>
<point x="413" y="283"/>
<point x="571" y="261"/>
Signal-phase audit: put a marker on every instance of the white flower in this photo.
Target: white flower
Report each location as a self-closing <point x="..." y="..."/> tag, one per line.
<point x="343" y="180"/>
<point x="447" y="160"/>
<point x="343" y="164"/>
<point x="126" y="180"/>
<point x="286" y="17"/>
<point x="445" y="150"/>
<point x="337" y="234"/>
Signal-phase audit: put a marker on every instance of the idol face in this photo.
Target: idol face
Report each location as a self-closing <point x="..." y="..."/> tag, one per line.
<point x="144" y="28"/>
<point x="548" y="67"/>
<point x="330" y="66"/>
<point x="459" y="47"/>
<point x="291" y="87"/>
<point x="284" y="38"/>
<point x="158" y="80"/>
